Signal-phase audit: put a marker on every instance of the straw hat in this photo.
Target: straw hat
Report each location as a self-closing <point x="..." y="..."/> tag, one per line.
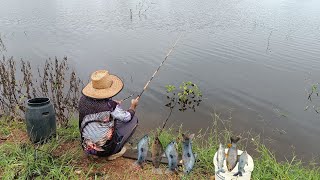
<point x="103" y="85"/>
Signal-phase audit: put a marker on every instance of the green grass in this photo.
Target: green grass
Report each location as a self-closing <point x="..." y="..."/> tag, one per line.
<point x="23" y="160"/>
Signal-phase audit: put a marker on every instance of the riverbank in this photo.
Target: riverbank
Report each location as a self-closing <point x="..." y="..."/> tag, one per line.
<point x="62" y="157"/>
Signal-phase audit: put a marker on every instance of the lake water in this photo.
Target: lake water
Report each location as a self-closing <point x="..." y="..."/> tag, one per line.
<point x="249" y="57"/>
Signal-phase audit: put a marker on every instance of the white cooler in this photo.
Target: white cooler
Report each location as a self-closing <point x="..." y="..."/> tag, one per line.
<point x="229" y="175"/>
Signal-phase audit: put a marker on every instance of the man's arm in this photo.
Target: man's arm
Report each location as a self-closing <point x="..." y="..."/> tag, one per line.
<point x="123" y="115"/>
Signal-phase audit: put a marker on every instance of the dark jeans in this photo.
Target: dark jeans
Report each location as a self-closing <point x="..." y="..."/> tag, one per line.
<point x="124" y="131"/>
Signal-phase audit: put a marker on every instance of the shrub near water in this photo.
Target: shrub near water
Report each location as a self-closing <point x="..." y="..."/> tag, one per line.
<point x="54" y="80"/>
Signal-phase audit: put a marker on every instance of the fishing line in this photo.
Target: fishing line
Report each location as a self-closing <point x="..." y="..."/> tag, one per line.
<point x="127" y="97"/>
<point x="166" y="57"/>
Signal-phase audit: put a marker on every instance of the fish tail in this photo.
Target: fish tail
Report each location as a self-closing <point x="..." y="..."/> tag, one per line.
<point x="137" y="163"/>
<point x="234" y="139"/>
<point x="176" y="172"/>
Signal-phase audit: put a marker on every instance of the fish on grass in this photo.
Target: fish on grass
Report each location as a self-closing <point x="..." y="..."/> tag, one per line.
<point x="188" y="158"/>
<point x="221" y="156"/>
<point x="243" y="160"/>
<point x="232" y="155"/>
<point x="156" y="155"/>
<point x="172" y="155"/>
<point x="142" y="150"/>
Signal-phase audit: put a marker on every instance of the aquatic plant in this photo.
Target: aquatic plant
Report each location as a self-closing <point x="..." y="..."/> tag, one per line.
<point x="2" y="46"/>
<point x="312" y="92"/>
<point x="54" y="80"/>
<point x="188" y="96"/>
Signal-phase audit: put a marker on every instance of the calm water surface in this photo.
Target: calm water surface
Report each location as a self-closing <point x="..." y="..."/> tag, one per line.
<point x="249" y="57"/>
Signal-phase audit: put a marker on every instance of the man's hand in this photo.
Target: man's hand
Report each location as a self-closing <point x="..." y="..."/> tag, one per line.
<point x="134" y="103"/>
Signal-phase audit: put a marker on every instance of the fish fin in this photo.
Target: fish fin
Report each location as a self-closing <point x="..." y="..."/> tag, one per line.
<point x="229" y="145"/>
<point x="163" y="155"/>
<point x="234" y="139"/>
<point x="195" y="155"/>
<point x="240" y="173"/>
<point x="236" y="174"/>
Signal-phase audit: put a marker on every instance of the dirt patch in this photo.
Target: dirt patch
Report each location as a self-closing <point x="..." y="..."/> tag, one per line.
<point x="120" y="168"/>
<point x="67" y="146"/>
<point x="16" y="136"/>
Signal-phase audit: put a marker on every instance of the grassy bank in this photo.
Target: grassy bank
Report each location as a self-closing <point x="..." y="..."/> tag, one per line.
<point x="62" y="157"/>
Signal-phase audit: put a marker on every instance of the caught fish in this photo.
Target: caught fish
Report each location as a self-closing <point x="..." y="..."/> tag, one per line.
<point x="232" y="155"/>
<point x="221" y="156"/>
<point x="188" y="158"/>
<point x="142" y="150"/>
<point x="156" y="156"/>
<point x="243" y="160"/>
<point x="172" y="155"/>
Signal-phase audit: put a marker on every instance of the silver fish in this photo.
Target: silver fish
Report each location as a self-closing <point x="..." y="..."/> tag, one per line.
<point x="188" y="157"/>
<point x="172" y="155"/>
<point x="142" y="150"/>
<point x="243" y="160"/>
<point x="221" y="156"/>
<point x="232" y="155"/>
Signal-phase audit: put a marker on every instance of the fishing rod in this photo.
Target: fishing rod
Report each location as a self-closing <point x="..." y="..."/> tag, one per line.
<point x="166" y="57"/>
<point x="127" y="97"/>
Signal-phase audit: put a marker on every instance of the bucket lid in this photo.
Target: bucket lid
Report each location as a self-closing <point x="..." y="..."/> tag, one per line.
<point x="38" y="101"/>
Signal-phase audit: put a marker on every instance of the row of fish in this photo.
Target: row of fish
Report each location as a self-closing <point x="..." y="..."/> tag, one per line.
<point x="231" y="158"/>
<point x="157" y="151"/>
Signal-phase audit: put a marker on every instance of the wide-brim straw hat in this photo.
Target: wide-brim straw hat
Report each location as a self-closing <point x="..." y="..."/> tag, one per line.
<point x="103" y="85"/>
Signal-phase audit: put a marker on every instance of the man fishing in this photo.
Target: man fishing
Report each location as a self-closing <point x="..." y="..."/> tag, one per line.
<point x="104" y="126"/>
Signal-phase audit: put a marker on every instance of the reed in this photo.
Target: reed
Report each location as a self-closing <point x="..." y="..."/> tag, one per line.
<point x="54" y="80"/>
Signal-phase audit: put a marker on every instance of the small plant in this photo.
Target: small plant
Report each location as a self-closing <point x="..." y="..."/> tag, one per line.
<point x="2" y="46"/>
<point x="188" y="96"/>
<point x="312" y="97"/>
<point x="55" y="80"/>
